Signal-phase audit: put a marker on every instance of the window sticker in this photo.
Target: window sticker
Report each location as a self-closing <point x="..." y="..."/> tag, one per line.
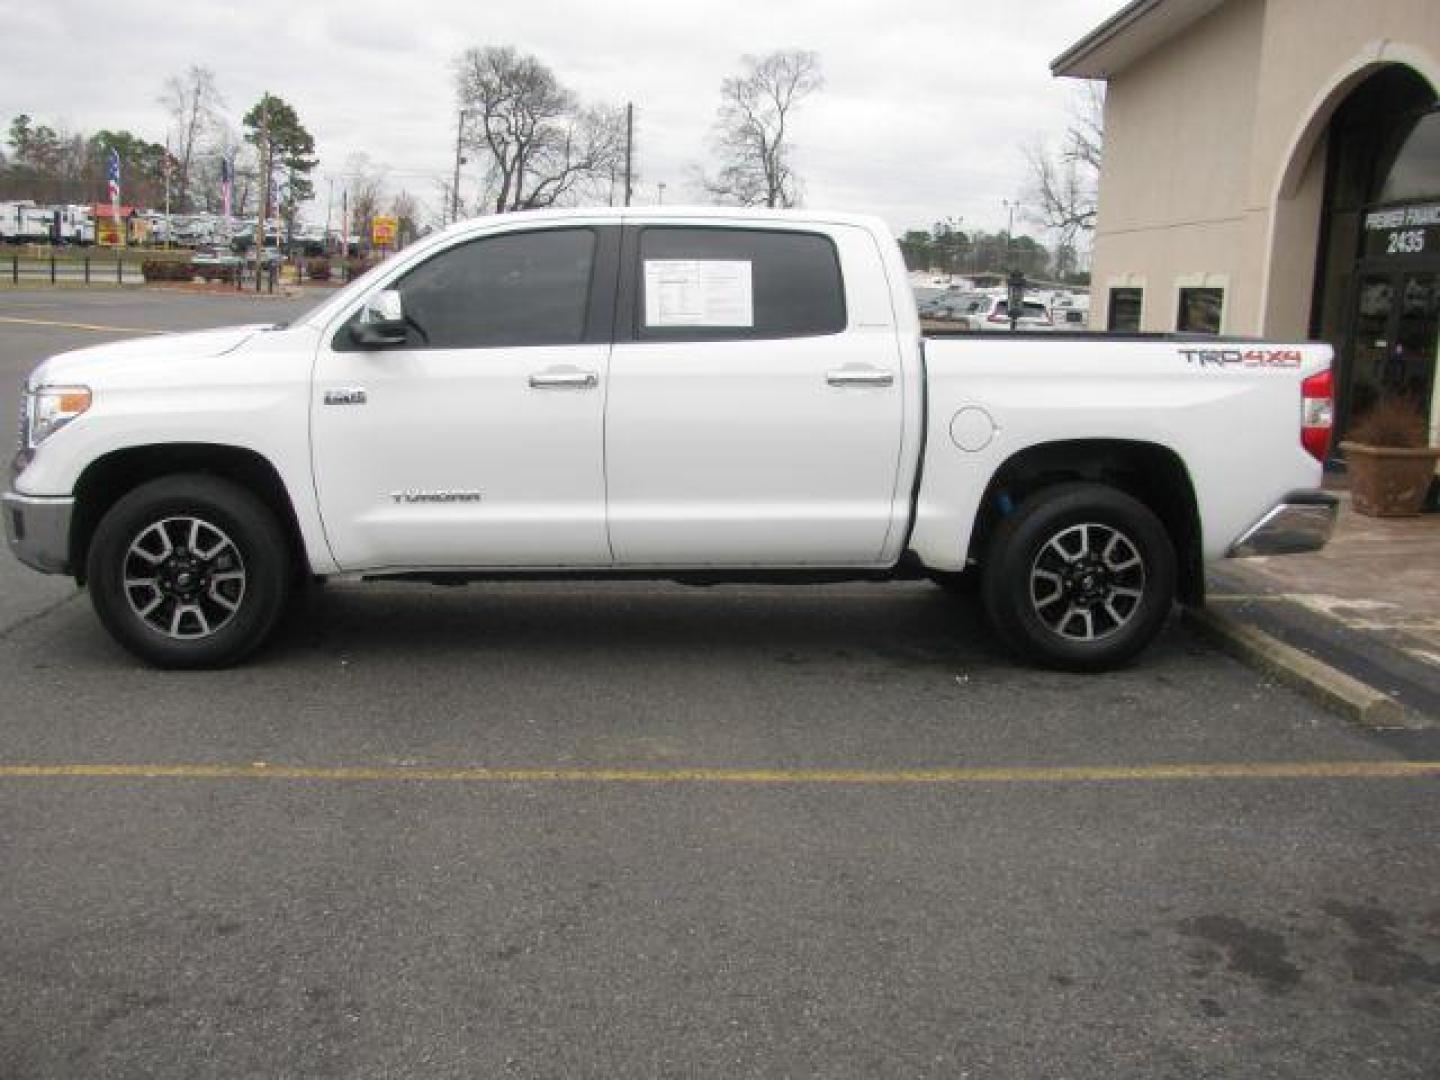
<point x="698" y="292"/>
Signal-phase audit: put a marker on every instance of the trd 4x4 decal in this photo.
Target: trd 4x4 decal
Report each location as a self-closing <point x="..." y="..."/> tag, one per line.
<point x="1250" y="358"/>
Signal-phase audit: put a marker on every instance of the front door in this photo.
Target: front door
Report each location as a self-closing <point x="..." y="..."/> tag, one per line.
<point x="1393" y="340"/>
<point x="478" y="442"/>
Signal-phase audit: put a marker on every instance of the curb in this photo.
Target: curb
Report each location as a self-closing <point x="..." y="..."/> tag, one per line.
<point x="1356" y="701"/>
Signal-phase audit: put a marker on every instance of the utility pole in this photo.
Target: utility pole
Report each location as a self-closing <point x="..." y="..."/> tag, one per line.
<point x="455" y="187"/>
<point x="629" y="147"/>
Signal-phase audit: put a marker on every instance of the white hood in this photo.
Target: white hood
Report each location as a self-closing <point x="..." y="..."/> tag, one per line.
<point x="84" y="366"/>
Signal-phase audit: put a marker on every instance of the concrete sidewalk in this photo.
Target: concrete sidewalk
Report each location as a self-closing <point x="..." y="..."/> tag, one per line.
<point x="1367" y="605"/>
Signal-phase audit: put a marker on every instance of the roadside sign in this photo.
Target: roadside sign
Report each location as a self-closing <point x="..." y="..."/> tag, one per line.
<point x="383" y="230"/>
<point x="107" y="232"/>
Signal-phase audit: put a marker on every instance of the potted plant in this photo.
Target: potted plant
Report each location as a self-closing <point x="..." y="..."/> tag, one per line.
<point x="1390" y="459"/>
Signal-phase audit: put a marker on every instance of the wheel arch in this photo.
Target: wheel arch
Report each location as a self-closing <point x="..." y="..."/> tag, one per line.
<point x="1150" y="472"/>
<point x="107" y="479"/>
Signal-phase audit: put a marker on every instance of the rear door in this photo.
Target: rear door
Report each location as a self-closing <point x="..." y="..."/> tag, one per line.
<point x="754" y="405"/>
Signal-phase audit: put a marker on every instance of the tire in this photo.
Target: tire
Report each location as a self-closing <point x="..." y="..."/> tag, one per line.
<point x="1081" y="577"/>
<point x="189" y="571"/>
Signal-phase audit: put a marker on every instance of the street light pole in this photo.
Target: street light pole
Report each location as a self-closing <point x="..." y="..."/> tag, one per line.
<point x="1015" y="281"/>
<point x="167" y="190"/>
<point x="267" y="150"/>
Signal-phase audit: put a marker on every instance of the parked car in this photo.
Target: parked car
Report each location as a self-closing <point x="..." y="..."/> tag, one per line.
<point x="960" y="305"/>
<point x="994" y="314"/>
<point x="928" y="300"/>
<point x="696" y="395"/>
<point x="217" y="264"/>
<point x="1069" y="311"/>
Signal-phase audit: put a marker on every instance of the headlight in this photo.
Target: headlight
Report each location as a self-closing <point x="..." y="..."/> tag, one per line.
<point x="50" y="409"/>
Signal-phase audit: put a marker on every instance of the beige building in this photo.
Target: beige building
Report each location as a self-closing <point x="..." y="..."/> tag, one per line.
<point x="1272" y="167"/>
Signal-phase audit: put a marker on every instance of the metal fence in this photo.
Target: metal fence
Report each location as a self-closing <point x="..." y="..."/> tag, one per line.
<point x="89" y="270"/>
<point x="116" y="269"/>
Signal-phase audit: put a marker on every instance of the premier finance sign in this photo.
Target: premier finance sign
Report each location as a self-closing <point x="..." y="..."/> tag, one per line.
<point x="1402" y="231"/>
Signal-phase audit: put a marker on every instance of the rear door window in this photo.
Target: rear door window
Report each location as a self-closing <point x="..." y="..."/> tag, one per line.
<point x="700" y="284"/>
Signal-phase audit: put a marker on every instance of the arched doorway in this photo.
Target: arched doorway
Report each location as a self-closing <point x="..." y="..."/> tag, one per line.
<point x="1377" y="281"/>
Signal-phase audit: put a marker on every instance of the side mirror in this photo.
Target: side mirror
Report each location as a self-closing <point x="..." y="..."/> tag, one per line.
<point x="382" y="321"/>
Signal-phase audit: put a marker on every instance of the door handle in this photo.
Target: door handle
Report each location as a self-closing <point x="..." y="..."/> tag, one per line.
<point x="860" y="377"/>
<point x="564" y="380"/>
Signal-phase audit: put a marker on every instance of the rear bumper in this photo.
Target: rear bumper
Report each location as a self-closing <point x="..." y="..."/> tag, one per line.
<point x="37" y="529"/>
<point x="1300" y="522"/>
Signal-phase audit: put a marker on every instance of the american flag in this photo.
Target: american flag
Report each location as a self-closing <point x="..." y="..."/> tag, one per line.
<point x="114" y="175"/>
<point x="227" y="185"/>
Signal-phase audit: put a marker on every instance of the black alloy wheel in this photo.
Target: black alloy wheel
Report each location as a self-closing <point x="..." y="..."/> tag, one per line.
<point x="189" y="571"/>
<point x="1080" y="577"/>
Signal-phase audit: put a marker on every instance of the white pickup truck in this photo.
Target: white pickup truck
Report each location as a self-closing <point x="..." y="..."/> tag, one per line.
<point x="696" y="395"/>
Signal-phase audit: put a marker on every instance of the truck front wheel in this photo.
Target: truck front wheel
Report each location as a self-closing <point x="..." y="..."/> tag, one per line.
<point x="1081" y="577"/>
<point x="189" y="571"/>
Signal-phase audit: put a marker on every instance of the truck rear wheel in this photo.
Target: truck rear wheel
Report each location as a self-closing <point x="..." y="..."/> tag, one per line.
<point x="1081" y="577"/>
<point x="189" y="571"/>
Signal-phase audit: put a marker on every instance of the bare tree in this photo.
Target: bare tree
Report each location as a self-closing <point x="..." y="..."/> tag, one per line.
<point x="224" y="143"/>
<point x="752" y="134"/>
<point x="194" y="104"/>
<point x="405" y="209"/>
<point x="541" y="146"/>
<point x="1064" y="185"/>
<point x="365" y="182"/>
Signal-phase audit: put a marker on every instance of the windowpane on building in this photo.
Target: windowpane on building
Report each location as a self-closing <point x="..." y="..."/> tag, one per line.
<point x="1416" y="172"/>
<point x="1125" y="309"/>
<point x="1200" y="310"/>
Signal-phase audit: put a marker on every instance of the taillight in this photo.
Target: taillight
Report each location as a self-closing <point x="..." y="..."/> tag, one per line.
<point x="998" y="318"/>
<point x="1317" y="414"/>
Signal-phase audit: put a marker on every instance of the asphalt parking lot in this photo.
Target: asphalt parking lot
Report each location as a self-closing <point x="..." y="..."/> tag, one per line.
<point x="645" y="830"/>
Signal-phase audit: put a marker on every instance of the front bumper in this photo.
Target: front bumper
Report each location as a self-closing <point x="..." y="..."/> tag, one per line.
<point x="1300" y="522"/>
<point x="38" y="530"/>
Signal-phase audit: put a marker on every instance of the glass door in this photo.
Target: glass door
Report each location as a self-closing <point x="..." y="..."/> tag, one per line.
<point x="1393" y="339"/>
<point x="1412" y="366"/>
<point x="1369" y="344"/>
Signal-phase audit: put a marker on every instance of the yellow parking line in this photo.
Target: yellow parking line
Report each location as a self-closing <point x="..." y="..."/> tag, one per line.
<point x="1060" y="774"/>
<point x="81" y="326"/>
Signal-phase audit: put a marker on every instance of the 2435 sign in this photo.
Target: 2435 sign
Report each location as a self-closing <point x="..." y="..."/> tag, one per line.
<point x="1402" y="231"/>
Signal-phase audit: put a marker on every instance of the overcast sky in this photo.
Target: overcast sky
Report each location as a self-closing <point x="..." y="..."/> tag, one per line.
<point x="924" y="114"/>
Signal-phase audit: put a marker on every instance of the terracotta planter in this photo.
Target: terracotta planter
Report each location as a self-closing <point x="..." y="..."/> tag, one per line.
<point x="1387" y="481"/>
